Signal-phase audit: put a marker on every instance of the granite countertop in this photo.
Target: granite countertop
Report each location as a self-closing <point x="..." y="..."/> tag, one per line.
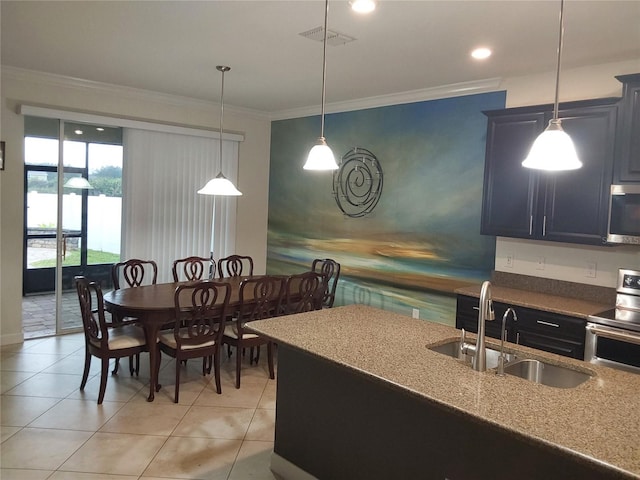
<point x="574" y="307"/>
<point x="598" y="421"/>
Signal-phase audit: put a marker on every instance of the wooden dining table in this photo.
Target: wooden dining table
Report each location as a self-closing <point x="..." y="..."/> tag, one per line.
<point x="154" y="307"/>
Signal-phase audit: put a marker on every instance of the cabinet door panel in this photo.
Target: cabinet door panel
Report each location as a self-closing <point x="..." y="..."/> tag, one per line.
<point x="628" y="148"/>
<point x="510" y="192"/>
<point x="576" y="201"/>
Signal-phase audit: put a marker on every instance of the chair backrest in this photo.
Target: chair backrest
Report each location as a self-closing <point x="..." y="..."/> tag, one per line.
<point x="260" y="298"/>
<point x="331" y="269"/>
<point x="193" y="268"/>
<point x="235" y="266"/>
<point x="92" y="311"/>
<point x="304" y="292"/>
<point x="201" y="310"/>
<point x="134" y="273"/>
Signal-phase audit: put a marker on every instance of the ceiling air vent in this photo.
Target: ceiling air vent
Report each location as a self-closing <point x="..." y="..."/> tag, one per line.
<point x="333" y="38"/>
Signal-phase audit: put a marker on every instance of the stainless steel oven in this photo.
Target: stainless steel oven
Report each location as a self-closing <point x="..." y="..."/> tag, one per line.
<point x="613" y="336"/>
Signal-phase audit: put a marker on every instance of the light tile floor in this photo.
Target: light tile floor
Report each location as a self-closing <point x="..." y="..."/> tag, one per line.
<point x="51" y="430"/>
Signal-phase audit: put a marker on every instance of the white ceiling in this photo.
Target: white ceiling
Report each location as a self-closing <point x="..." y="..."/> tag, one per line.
<point x="173" y="46"/>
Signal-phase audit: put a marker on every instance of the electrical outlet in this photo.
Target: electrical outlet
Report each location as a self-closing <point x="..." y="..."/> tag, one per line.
<point x="508" y="260"/>
<point x="591" y="269"/>
<point x="540" y="263"/>
<point x="415" y="313"/>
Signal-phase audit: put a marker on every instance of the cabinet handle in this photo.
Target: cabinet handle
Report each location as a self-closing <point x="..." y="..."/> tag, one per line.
<point x="531" y="225"/>
<point x="476" y="308"/>
<point x="542" y="322"/>
<point x="544" y="226"/>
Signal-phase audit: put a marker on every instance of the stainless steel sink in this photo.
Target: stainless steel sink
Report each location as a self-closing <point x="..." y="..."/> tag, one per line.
<point x="452" y="349"/>
<point x="546" y="373"/>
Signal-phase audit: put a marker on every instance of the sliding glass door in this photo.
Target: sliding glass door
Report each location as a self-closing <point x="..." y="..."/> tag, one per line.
<point x="73" y="204"/>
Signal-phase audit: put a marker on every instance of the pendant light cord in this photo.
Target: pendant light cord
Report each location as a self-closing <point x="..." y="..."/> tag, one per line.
<point x="324" y="66"/>
<point x="560" y="41"/>
<point x="223" y="69"/>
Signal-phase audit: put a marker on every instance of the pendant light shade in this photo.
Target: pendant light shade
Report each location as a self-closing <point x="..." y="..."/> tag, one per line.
<point x="321" y="157"/>
<point x="79" y="183"/>
<point x="554" y="150"/>
<point x="220" y="185"/>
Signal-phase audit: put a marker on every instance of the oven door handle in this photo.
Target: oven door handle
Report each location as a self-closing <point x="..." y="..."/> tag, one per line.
<point x="613" y="334"/>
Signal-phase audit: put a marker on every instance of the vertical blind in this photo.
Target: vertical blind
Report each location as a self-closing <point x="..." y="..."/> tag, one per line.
<point x="163" y="217"/>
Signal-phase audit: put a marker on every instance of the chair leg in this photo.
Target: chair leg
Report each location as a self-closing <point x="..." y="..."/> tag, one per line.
<point x="116" y="366"/>
<point x="175" y="400"/>
<point x="238" y="368"/>
<point x="132" y="367"/>
<point x="87" y="367"/>
<point x="103" y="379"/>
<point x="270" y="360"/>
<point x="257" y="355"/>
<point x="216" y="369"/>
<point x="228" y="350"/>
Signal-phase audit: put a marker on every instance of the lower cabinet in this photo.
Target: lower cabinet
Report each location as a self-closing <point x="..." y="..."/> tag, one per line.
<point x="551" y="332"/>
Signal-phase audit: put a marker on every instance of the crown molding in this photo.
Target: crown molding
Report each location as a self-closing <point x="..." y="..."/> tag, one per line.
<point x="411" y="96"/>
<point x="52" y="79"/>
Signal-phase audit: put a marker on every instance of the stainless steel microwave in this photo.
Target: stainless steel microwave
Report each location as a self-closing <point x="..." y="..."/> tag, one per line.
<point x="624" y="214"/>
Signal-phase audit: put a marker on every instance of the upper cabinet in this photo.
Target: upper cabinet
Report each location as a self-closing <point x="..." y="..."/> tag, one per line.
<point x="627" y="165"/>
<point x="569" y="206"/>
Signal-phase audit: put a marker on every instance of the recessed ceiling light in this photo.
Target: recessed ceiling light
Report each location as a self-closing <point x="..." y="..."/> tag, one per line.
<point x="363" y="6"/>
<point x="100" y="129"/>
<point x="78" y="132"/>
<point x="481" y="53"/>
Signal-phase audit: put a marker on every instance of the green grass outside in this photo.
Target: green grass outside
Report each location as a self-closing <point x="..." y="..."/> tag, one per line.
<point x="73" y="258"/>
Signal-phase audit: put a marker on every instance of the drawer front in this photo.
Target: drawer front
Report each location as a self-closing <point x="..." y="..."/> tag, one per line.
<point x="551" y="324"/>
<point x="567" y="348"/>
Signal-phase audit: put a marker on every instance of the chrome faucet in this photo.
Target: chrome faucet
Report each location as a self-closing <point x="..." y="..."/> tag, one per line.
<point x="485" y="314"/>
<point x="503" y="334"/>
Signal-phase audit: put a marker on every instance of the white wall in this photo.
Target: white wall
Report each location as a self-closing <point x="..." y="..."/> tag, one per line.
<point x="18" y="87"/>
<point x="567" y="261"/>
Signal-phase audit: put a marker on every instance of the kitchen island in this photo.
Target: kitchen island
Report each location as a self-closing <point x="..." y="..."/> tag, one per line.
<point x="360" y="396"/>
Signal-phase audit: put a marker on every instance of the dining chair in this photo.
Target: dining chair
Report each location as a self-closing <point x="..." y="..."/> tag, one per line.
<point x="331" y="269"/>
<point x="303" y="292"/>
<point x="259" y="298"/>
<point x="235" y="266"/>
<point x="193" y="268"/>
<point x="132" y="273"/>
<point x="201" y="310"/>
<point x="101" y="339"/>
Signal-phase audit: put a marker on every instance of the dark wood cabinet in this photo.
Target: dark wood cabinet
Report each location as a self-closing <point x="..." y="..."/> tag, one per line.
<point x="569" y="206"/>
<point x="627" y="164"/>
<point x="550" y="332"/>
<point x="509" y="199"/>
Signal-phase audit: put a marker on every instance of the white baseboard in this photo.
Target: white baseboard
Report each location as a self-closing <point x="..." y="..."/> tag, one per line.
<point x="286" y="470"/>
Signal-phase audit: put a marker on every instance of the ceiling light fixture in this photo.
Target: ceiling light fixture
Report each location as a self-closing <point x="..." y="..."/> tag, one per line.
<point x="481" y="53"/>
<point x="321" y="157"/>
<point x="363" y="6"/>
<point x="220" y="185"/>
<point x="78" y="183"/>
<point x="554" y="150"/>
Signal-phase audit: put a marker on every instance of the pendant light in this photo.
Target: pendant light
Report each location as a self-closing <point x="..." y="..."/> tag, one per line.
<point x="554" y="150"/>
<point x="78" y="183"/>
<point x="321" y="157"/>
<point x="220" y="185"/>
